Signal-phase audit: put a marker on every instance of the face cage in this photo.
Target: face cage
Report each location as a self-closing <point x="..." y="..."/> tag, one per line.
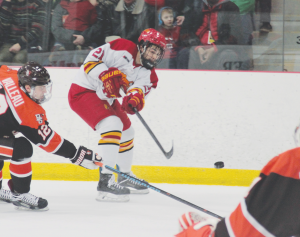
<point x="147" y="63"/>
<point x="47" y="95"/>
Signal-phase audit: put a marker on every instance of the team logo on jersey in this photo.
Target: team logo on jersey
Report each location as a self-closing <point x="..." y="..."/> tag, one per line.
<point x="39" y="118"/>
<point x="126" y="58"/>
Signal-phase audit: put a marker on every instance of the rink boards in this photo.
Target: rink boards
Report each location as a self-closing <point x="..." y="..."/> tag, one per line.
<point x="243" y="119"/>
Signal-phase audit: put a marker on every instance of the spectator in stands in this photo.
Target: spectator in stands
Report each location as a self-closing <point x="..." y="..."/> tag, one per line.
<point x="177" y="5"/>
<point x="169" y="29"/>
<point x="193" y="19"/>
<point x="129" y="18"/>
<point x="219" y="35"/>
<point x="70" y="20"/>
<point x="247" y="9"/>
<point x="265" y="15"/>
<point x="24" y="22"/>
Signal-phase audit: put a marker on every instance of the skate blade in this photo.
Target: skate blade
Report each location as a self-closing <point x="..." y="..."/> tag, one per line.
<point x="20" y="208"/>
<point x="2" y="201"/>
<point x="136" y="191"/>
<point x="109" y="197"/>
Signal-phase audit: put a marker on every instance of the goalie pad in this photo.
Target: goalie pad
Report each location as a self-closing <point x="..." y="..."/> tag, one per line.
<point x="85" y="158"/>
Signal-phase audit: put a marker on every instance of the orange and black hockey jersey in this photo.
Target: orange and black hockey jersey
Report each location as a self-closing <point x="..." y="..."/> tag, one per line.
<point x="18" y="113"/>
<point x="272" y="206"/>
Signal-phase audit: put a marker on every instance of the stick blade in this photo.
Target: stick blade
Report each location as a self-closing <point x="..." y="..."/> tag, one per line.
<point x="169" y="154"/>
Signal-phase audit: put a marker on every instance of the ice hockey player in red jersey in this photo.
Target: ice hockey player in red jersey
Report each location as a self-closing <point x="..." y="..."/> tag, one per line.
<point x="271" y="207"/>
<point x="119" y="64"/>
<point x="21" y="93"/>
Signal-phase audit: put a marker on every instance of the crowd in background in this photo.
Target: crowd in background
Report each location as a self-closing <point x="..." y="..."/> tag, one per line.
<point x="200" y="34"/>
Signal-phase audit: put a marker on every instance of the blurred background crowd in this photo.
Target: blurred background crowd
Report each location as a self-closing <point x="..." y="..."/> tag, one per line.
<point x="260" y="35"/>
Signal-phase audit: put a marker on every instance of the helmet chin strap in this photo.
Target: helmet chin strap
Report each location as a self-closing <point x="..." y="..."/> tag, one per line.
<point x="143" y="59"/>
<point x="141" y="53"/>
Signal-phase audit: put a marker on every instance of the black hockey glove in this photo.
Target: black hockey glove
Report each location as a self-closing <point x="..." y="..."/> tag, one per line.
<point x="86" y="158"/>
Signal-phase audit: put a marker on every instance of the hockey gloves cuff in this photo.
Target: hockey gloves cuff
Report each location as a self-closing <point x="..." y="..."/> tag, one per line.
<point x="192" y="224"/>
<point x="133" y="99"/>
<point x="86" y="158"/>
<point x="112" y="82"/>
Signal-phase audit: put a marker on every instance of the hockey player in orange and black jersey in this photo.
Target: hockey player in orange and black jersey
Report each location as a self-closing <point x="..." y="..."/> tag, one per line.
<point x="21" y="93"/>
<point x="271" y="207"/>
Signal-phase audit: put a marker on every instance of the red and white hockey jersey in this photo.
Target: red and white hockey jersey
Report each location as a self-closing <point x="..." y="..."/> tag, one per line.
<point x="120" y="53"/>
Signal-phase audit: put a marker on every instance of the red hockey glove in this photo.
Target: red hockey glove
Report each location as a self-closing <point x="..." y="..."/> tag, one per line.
<point x="133" y="99"/>
<point x="112" y="82"/>
<point x="194" y="225"/>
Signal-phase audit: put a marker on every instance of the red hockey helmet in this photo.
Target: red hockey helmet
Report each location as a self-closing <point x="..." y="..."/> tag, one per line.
<point x="154" y="37"/>
<point x="155" y="40"/>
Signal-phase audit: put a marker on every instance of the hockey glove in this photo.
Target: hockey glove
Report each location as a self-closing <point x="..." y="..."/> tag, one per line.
<point x="112" y="82"/>
<point x="194" y="225"/>
<point x="133" y="99"/>
<point x="86" y="158"/>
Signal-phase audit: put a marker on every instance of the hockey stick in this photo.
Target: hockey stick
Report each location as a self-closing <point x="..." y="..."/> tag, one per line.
<point x="169" y="154"/>
<point x="143" y="183"/>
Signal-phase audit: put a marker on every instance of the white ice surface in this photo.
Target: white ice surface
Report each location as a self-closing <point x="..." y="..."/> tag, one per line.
<point x="73" y="210"/>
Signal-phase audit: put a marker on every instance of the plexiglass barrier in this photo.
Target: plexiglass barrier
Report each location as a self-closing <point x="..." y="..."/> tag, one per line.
<point x="260" y="35"/>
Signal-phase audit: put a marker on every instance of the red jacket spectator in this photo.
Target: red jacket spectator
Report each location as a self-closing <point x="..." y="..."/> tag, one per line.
<point x="157" y="3"/>
<point x="172" y="40"/>
<point x="81" y="15"/>
<point x="222" y="22"/>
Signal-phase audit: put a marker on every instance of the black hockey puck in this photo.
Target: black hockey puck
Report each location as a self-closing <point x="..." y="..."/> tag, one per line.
<point x="219" y="164"/>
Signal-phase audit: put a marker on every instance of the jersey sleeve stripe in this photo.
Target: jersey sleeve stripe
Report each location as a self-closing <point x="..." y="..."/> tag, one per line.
<point x="90" y="65"/>
<point x="246" y="223"/>
<point x="6" y="151"/>
<point x="53" y="143"/>
<point x="59" y="146"/>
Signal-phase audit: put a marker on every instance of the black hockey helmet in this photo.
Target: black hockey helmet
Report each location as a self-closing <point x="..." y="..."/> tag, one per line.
<point x="33" y="74"/>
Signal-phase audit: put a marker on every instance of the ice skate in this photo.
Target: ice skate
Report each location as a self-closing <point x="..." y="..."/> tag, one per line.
<point x="133" y="186"/>
<point x="29" y="202"/>
<point x="110" y="191"/>
<point x="5" y="195"/>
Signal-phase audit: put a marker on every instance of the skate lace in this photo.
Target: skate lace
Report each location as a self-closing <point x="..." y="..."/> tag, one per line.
<point x="134" y="176"/>
<point x="5" y="194"/>
<point x="112" y="183"/>
<point x="28" y="199"/>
